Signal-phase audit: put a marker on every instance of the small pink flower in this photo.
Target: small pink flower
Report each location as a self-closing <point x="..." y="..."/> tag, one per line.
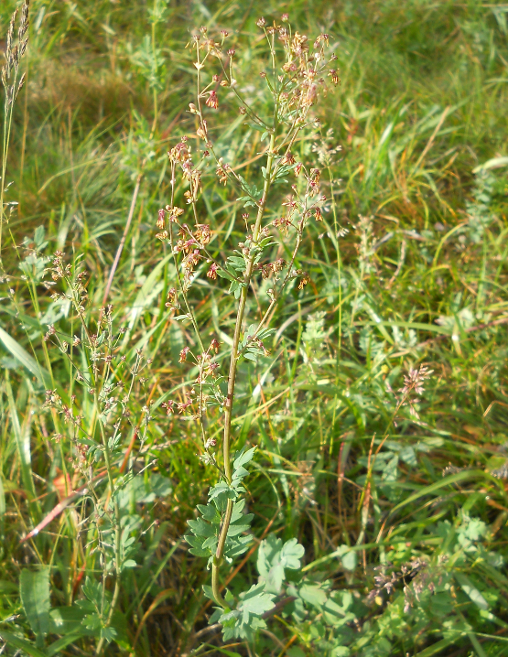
<point x="183" y="355"/>
<point x="212" y="100"/>
<point x="212" y="272"/>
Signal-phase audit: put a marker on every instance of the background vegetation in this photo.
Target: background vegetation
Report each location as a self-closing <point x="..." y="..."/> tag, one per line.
<point x="402" y="509"/>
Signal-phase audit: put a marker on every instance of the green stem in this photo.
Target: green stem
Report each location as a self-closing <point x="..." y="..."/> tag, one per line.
<point x="109" y="467"/>
<point x="233" y="363"/>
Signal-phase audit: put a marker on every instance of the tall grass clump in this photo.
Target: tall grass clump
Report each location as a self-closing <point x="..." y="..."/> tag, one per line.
<point x="12" y="82"/>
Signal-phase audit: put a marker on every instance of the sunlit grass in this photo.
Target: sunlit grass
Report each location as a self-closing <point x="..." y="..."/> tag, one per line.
<point x="421" y="278"/>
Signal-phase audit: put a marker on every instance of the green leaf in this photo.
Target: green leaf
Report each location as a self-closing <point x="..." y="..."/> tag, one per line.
<point x="22" y="436"/>
<point x="234" y="530"/>
<point x="470" y="589"/>
<point x="34" y="589"/>
<point x="347" y="556"/>
<point x="238" y="475"/>
<point x="445" y="481"/>
<point x="208" y="591"/>
<point x="247" y="202"/>
<point x="198" y="552"/>
<point x="494" y="163"/>
<point x="241" y="544"/>
<point x="24" y="358"/>
<point x="237" y="262"/>
<point x="335" y="615"/>
<point x="340" y="651"/>
<point x="195" y="541"/>
<point x="291" y="554"/>
<point x="108" y="633"/>
<point x="93" y="592"/>
<point x="210" y="513"/>
<point x="243" y="457"/>
<point x="238" y="516"/>
<point x="222" y="490"/>
<point x="255" y="126"/>
<point x="274" y="558"/>
<point x="256" y="601"/>
<point x="57" y="646"/>
<point x="210" y="543"/>
<point x="39" y="236"/>
<point x="313" y="594"/>
<point x="224" y="274"/>
<point x="67" y="620"/>
<point x="201" y="528"/>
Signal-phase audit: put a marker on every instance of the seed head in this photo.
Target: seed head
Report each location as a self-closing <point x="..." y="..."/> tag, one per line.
<point x="212" y="100"/>
<point x="212" y="272"/>
<point x="288" y="159"/>
<point x="161" y="220"/>
<point x="334" y="76"/>
<point x="305" y="279"/>
<point x="202" y="233"/>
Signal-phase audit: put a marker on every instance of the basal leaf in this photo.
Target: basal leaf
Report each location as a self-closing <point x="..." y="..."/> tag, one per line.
<point x="313" y="594"/>
<point x="256" y="601"/>
<point x="291" y="554"/>
<point x="34" y="589"/>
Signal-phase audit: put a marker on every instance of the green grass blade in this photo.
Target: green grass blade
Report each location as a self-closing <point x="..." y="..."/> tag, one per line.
<point x="22" y="443"/>
<point x="21" y="644"/>
<point x="34" y="589"/>
<point x="24" y="358"/>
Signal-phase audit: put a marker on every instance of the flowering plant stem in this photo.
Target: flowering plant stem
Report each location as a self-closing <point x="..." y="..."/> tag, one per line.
<point x="228" y="409"/>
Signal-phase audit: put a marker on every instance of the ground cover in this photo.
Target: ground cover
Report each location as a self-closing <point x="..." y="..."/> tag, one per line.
<point x="379" y="411"/>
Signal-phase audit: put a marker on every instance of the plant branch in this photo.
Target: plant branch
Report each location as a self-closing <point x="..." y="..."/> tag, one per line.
<point x="233" y="363"/>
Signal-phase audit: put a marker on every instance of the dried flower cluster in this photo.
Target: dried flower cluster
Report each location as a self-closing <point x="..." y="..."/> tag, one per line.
<point x="414" y="387"/>
<point x="415" y="576"/>
<point x="95" y="366"/>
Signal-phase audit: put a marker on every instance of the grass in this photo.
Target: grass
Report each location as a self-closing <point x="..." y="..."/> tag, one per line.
<point x="419" y="278"/>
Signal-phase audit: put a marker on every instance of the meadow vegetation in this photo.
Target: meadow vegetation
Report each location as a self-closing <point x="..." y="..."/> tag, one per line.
<point x="338" y="252"/>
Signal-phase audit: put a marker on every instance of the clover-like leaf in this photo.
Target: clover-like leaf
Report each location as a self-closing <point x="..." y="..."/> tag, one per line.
<point x="274" y="558"/>
<point x="291" y="554"/>
<point x="256" y="601"/>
